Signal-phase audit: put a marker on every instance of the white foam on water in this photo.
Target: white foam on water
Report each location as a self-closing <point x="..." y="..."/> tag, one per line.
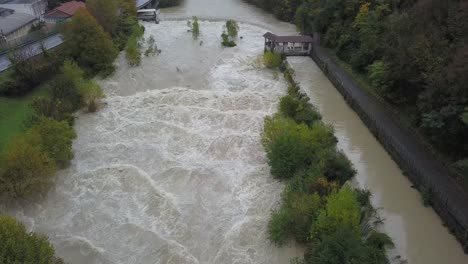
<point x="171" y="169"/>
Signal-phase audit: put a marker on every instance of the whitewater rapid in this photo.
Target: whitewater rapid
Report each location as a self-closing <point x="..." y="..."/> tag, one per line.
<point x="171" y="168"/>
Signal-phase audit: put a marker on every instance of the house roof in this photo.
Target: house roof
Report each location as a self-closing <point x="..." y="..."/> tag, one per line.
<point x="15" y="21"/>
<point x="65" y="10"/>
<point x="295" y="39"/>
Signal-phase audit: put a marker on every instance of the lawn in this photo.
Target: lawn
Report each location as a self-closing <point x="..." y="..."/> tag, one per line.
<point x="13" y="113"/>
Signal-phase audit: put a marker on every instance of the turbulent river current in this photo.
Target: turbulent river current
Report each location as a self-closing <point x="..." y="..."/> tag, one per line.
<point x="171" y="168"/>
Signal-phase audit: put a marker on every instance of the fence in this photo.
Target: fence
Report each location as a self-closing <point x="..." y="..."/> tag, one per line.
<point x="32" y="37"/>
<point x="449" y="199"/>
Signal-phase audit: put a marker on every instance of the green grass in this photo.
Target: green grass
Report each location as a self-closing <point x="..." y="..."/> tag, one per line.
<point x="13" y="113"/>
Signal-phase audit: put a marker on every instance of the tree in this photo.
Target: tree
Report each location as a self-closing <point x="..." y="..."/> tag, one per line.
<point x="65" y="86"/>
<point x="106" y="13"/>
<point x="27" y="169"/>
<point x="20" y="246"/>
<point x="56" y="138"/>
<point x="88" y="44"/>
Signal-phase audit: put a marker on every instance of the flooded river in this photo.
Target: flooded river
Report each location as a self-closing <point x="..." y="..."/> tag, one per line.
<point x="171" y="169"/>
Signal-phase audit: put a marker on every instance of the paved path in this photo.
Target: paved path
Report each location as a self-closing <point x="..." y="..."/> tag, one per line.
<point x="33" y="49"/>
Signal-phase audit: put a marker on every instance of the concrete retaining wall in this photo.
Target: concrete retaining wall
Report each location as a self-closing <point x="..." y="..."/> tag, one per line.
<point x="449" y="199"/>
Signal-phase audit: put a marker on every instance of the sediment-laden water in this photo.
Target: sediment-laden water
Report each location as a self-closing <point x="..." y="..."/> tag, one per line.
<point x="171" y="169"/>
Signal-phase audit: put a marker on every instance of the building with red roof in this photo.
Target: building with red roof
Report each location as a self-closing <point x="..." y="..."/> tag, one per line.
<point x="63" y="12"/>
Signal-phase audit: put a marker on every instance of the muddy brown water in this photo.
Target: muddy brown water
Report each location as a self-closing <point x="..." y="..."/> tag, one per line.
<point x="171" y="169"/>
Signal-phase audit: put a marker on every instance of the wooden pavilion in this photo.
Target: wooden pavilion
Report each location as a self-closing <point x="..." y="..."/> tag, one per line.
<point x="288" y="45"/>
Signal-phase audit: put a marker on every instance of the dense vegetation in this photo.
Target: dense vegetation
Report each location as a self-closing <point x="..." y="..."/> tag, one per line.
<point x="40" y="135"/>
<point x="414" y="54"/>
<point x="20" y="246"/>
<point x="318" y="209"/>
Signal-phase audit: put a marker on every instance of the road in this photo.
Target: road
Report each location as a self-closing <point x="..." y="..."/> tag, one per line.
<point x="33" y="49"/>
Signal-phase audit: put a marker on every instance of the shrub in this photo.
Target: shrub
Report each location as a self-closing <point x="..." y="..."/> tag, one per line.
<point x="272" y="60"/>
<point x="90" y="93"/>
<point x="340" y="246"/>
<point x="194" y="27"/>
<point x="56" y="139"/>
<point x="66" y="84"/>
<point x="27" y="169"/>
<point x="132" y="51"/>
<point x="47" y="107"/>
<point x="278" y="227"/>
<point x="20" y="246"/>
<point x="378" y="74"/>
<point x="226" y="41"/>
<point x="339" y="168"/>
<point x="292" y="147"/>
<point x="232" y="28"/>
<point x="342" y="210"/>
<point x="299" y="110"/>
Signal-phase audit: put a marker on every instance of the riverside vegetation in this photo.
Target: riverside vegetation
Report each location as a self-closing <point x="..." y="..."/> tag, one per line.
<point x="412" y="54"/>
<point x="318" y="209"/>
<point x="29" y="160"/>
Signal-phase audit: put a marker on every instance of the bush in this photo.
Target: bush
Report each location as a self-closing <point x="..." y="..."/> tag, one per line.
<point x="342" y="210"/>
<point x="232" y="28"/>
<point x="27" y="169"/>
<point x="65" y="86"/>
<point x="226" y="41"/>
<point x="194" y="27"/>
<point x="132" y="51"/>
<point x="341" y="246"/>
<point x="90" y="93"/>
<point x="56" y="138"/>
<point x="278" y="227"/>
<point x="49" y="108"/>
<point x="292" y="147"/>
<point x="339" y="168"/>
<point x="272" y="60"/>
<point x="20" y="246"/>
<point x="299" y="110"/>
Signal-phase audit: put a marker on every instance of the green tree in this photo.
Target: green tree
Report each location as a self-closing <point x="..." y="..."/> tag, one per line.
<point x="106" y="13"/>
<point x="27" y="169"/>
<point x="56" y="138"/>
<point x="20" y="246"/>
<point x="88" y="44"/>
<point x="66" y="84"/>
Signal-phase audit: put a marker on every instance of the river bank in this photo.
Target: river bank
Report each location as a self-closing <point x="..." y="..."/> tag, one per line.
<point x="447" y="198"/>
